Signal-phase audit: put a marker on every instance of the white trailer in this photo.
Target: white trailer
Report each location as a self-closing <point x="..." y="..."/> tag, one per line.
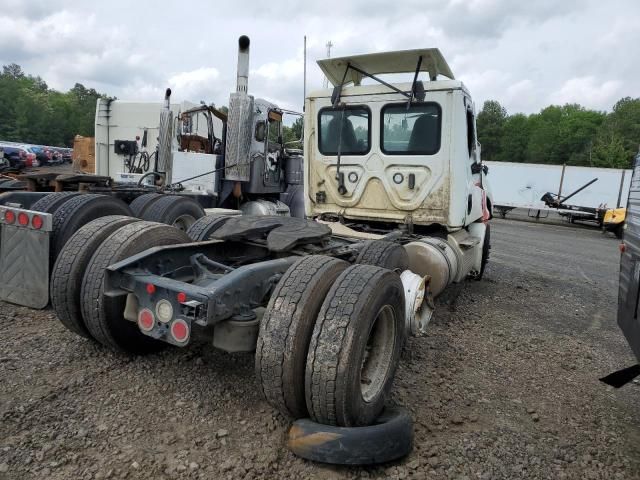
<point x="522" y="185"/>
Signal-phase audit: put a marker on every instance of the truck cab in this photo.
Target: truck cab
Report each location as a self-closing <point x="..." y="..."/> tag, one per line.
<point x="404" y="153"/>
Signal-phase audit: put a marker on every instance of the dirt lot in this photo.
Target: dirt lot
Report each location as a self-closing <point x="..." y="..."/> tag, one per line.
<point x="504" y="386"/>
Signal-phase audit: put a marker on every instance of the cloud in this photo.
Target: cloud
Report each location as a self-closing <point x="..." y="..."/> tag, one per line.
<point x="523" y="54"/>
<point x="195" y="84"/>
<point x="588" y="91"/>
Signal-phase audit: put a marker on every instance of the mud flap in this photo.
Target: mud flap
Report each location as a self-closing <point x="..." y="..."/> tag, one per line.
<point x="24" y="260"/>
<point x="622" y="377"/>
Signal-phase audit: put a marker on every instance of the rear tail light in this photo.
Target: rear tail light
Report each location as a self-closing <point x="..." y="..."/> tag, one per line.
<point x="182" y="297"/>
<point x="23" y="219"/>
<point x="36" y="222"/>
<point x="151" y="288"/>
<point x="146" y="320"/>
<point x="9" y="217"/>
<point x="180" y="331"/>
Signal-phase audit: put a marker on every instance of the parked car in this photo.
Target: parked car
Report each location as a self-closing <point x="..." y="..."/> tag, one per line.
<point x="44" y="155"/>
<point x="67" y="155"/>
<point x="18" y="156"/>
<point x="60" y="154"/>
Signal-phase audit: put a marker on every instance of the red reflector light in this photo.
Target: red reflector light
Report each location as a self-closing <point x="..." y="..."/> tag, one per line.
<point x="151" y="288"/>
<point x="23" y="219"/>
<point x="9" y="216"/>
<point x="146" y="321"/>
<point x="182" y="297"/>
<point x="180" y="331"/>
<point x="623" y="248"/>
<point x="36" y="222"/>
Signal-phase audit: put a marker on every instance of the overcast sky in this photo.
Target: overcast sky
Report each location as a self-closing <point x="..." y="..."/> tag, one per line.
<point x="524" y="54"/>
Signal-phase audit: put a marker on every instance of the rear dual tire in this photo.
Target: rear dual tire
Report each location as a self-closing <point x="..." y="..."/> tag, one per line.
<point x="330" y="341"/>
<point x="204" y="227"/>
<point x="181" y="212"/>
<point x="385" y="254"/>
<point x="69" y="269"/>
<point x="355" y="347"/>
<point x="286" y="328"/>
<point x="50" y="203"/>
<point x="103" y="315"/>
<point x="79" y="210"/>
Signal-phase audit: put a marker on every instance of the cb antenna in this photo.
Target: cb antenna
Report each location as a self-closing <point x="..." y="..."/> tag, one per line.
<point x="304" y="81"/>
<point x="329" y="45"/>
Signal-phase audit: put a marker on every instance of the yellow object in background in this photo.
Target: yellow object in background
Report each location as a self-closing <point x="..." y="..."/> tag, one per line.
<point x="614" y="216"/>
<point x="613" y="221"/>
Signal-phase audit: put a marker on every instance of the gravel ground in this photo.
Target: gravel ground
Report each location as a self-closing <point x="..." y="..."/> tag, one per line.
<point x="504" y="386"/>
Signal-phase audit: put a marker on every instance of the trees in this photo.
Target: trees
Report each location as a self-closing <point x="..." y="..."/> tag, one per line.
<point x="568" y="134"/>
<point x="294" y="132"/>
<point x="490" y="123"/>
<point x="515" y="139"/>
<point x="31" y="112"/>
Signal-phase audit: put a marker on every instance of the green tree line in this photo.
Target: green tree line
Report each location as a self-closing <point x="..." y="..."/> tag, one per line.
<point x="568" y="134"/>
<point x="31" y="112"/>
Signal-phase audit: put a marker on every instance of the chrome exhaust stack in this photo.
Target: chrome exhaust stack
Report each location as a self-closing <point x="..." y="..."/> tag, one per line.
<point x="239" y="123"/>
<point x="242" y="82"/>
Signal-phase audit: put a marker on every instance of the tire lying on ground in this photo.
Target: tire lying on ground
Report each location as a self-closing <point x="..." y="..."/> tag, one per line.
<point x="103" y="315"/>
<point x="79" y="211"/>
<point x="355" y="347"/>
<point x="389" y="438"/>
<point x="139" y="204"/>
<point x="70" y="266"/>
<point x="50" y="203"/>
<point x="384" y="254"/>
<point x="285" y="331"/>
<point x="181" y="212"/>
<point x="202" y="229"/>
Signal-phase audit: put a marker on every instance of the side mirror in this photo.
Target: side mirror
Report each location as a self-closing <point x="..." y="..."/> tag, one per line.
<point x="419" y="93"/>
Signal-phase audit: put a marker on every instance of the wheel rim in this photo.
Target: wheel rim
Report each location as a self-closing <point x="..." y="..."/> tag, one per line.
<point x="378" y="354"/>
<point x="183" y="222"/>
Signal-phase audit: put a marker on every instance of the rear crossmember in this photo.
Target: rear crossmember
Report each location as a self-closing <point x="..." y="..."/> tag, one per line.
<point x="171" y="290"/>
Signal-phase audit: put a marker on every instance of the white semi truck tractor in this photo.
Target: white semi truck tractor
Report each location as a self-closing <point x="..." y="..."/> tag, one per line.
<point x="397" y="207"/>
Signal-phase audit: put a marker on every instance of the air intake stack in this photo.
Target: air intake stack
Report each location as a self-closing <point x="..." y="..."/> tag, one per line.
<point x="239" y="122"/>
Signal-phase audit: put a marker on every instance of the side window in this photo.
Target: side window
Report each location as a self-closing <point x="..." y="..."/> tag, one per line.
<point x="412" y="131"/>
<point x="260" y="133"/>
<point x="471" y="131"/>
<point x="348" y="127"/>
<point x="274" y="131"/>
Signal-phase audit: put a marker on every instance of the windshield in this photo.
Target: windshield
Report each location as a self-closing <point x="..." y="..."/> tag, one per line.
<point x="354" y="138"/>
<point x="413" y="131"/>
